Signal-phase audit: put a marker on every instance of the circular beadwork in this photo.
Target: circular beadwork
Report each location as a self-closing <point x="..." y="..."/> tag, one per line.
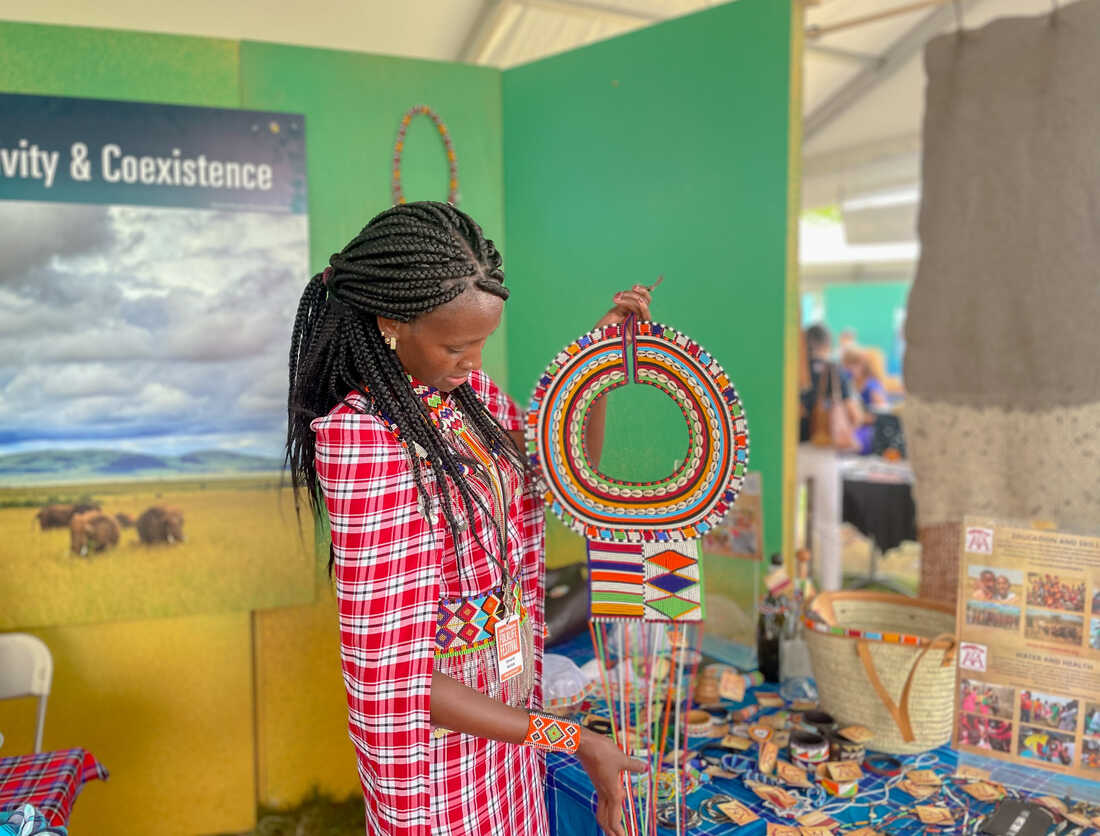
<point x="686" y="503"/>
<point x="399" y="148"/>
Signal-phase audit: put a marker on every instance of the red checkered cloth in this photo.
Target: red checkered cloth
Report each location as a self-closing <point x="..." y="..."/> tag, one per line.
<point x="50" y="781"/>
<point x="393" y="564"/>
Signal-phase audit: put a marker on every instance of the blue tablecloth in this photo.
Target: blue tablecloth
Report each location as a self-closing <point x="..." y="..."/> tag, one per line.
<point x="572" y="802"/>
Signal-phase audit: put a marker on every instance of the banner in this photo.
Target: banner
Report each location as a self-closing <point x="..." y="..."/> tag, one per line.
<point x="152" y="258"/>
<point x="1029" y="654"/>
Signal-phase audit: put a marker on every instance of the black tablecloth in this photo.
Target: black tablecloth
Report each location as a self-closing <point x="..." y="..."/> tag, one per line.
<point x="883" y="511"/>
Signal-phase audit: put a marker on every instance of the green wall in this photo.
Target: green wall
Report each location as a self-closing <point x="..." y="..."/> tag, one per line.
<point x="664" y="151"/>
<point x="870" y="310"/>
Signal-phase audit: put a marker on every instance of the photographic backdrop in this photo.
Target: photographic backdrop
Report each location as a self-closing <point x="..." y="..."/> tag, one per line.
<point x="152" y="260"/>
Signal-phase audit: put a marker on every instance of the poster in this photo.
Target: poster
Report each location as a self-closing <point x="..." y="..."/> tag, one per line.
<point x="152" y="258"/>
<point x="1028" y="687"/>
<point x="741" y="533"/>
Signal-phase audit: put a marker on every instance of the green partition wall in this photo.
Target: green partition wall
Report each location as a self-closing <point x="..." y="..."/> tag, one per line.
<point x="664" y="151"/>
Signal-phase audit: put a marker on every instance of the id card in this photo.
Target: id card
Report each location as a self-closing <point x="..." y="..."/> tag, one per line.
<point x="509" y="649"/>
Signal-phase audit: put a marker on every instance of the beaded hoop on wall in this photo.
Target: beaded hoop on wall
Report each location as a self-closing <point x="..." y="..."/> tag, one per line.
<point x="683" y="505"/>
<point x="399" y="147"/>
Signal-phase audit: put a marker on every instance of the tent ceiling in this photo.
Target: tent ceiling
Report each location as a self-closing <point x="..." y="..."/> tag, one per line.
<point x="863" y="93"/>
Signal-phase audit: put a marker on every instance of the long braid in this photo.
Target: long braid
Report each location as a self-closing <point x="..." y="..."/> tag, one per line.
<point x="407" y="261"/>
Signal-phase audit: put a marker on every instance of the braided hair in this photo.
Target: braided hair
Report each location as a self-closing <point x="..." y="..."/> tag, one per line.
<point x="409" y="260"/>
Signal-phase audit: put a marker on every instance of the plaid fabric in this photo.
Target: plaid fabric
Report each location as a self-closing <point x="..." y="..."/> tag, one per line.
<point x="50" y="781"/>
<point x="394" y="562"/>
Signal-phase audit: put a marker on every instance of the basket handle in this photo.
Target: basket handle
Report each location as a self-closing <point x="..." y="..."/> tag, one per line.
<point x="901" y="713"/>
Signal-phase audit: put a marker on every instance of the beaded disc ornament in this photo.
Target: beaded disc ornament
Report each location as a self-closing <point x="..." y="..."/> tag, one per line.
<point x="399" y="148"/>
<point x="686" y="503"/>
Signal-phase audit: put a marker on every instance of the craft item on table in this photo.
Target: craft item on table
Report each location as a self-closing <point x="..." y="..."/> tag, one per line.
<point x="803" y="705"/>
<point x="884" y="766"/>
<point x="708" y="809"/>
<point x="917" y="791"/>
<point x="808" y="747"/>
<point x="1051" y="803"/>
<point x="399" y="148"/>
<point x="821" y="770"/>
<point x="706" y="689"/>
<point x="815" y="818"/>
<point x="844" y="771"/>
<point x="1078" y="819"/>
<point x="769" y="699"/>
<point x="791" y="774"/>
<point x="857" y="734"/>
<point x="745" y="713"/>
<point x="972" y="773"/>
<point x="841" y="749"/>
<point x="699" y="724"/>
<point x="732" y="686"/>
<point x="773" y="795"/>
<point x="669" y="815"/>
<point x="935" y="815"/>
<point x="841" y="789"/>
<point x="819" y="721"/>
<point x="761" y="733"/>
<point x="776" y="721"/>
<point x="982" y="791"/>
<point x="799" y="689"/>
<point x="769" y="753"/>
<point x="740" y="744"/>
<point x="782" y="738"/>
<point x="924" y="777"/>
<point x="782" y="830"/>
<point x="737" y="812"/>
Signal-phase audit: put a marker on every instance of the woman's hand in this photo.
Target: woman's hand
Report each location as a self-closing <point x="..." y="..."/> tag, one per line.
<point x="605" y="762"/>
<point x="625" y="302"/>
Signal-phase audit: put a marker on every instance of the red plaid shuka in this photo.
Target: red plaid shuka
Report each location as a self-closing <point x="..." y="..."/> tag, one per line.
<point x="50" y="781"/>
<point x="394" y="562"/>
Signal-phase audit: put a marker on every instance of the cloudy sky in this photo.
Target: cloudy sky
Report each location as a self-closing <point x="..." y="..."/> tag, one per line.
<point x="159" y="330"/>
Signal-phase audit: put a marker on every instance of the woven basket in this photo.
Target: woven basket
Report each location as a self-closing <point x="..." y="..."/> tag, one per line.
<point x="886" y="662"/>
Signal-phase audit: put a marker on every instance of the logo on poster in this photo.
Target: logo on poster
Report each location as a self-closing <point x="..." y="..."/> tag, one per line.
<point x="973" y="657"/>
<point x="979" y="540"/>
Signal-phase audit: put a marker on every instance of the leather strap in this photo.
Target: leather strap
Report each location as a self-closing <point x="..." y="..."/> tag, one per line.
<point x="900" y="713"/>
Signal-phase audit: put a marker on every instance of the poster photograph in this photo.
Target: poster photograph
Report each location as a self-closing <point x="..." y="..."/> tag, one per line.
<point x="153" y="258"/>
<point x="1028" y="673"/>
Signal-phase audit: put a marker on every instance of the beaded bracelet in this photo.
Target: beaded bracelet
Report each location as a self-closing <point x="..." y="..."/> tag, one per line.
<point x="547" y="732"/>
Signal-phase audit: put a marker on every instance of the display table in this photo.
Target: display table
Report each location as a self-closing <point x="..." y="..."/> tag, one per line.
<point x="50" y="781"/>
<point x="571" y="799"/>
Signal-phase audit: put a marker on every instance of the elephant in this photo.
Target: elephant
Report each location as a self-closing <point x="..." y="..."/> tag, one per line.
<point x="92" y="531"/>
<point x="54" y="516"/>
<point x="160" y="525"/>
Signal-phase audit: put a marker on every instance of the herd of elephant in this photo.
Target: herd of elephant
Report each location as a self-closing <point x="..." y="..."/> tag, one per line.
<point x="91" y="530"/>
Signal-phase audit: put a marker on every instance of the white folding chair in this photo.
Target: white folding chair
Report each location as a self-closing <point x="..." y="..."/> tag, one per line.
<point x="26" y="670"/>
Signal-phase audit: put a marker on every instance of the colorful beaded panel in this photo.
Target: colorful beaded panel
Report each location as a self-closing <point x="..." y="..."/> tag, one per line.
<point x="683" y="505"/>
<point x="465" y="625"/>
<point x="548" y="732"/>
<point x="673" y="581"/>
<point x="399" y="148"/>
<point x="870" y="635"/>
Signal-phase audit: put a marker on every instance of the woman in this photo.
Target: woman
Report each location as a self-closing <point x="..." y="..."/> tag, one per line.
<point x="437" y="529"/>
<point x="867" y="380"/>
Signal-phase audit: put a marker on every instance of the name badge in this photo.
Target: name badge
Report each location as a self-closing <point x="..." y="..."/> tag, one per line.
<point x="509" y="649"/>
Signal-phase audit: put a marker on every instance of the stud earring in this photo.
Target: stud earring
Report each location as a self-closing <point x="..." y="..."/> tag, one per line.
<point x="391" y="341"/>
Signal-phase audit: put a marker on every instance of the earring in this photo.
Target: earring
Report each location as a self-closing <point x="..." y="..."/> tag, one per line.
<point x="391" y="341"/>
